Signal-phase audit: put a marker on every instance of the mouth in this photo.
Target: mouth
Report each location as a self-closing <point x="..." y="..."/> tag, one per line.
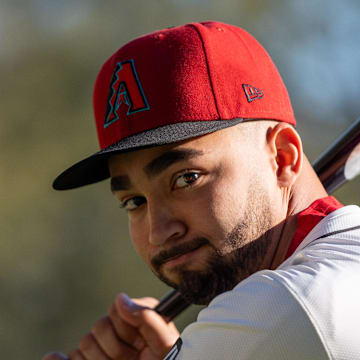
<point x="179" y="255"/>
<point x="183" y="258"/>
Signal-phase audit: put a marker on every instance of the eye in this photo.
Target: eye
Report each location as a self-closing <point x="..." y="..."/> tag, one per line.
<point x="132" y="203"/>
<point x="186" y="179"/>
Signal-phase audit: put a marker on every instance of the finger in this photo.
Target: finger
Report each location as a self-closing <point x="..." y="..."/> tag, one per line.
<point x="129" y="309"/>
<point x="90" y="349"/>
<point x="126" y="332"/>
<point x="55" y="356"/>
<point x="76" y="355"/>
<point x="146" y="302"/>
<point x="159" y="335"/>
<point x="112" y="346"/>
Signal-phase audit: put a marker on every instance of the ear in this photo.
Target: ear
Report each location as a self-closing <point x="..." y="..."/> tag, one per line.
<point x="286" y="153"/>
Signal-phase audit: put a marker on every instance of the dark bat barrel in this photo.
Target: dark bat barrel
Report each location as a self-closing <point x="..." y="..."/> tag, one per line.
<point x="341" y="161"/>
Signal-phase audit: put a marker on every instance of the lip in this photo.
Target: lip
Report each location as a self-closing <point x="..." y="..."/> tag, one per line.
<point x="184" y="258"/>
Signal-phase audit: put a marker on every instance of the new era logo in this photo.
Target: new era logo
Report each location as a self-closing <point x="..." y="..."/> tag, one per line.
<point x="252" y="93"/>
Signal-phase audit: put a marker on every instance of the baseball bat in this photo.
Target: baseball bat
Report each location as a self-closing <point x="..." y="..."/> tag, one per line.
<point x="337" y="165"/>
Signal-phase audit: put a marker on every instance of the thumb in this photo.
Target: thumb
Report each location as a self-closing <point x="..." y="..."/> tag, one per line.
<point x="128" y="309"/>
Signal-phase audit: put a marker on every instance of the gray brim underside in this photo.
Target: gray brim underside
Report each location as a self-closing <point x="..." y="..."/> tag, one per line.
<point x="95" y="167"/>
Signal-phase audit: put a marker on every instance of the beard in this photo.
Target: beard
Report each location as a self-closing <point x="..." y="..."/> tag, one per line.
<point x="242" y="253"/>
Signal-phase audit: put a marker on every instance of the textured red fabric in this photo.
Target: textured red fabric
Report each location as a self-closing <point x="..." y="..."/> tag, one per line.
<point x="194" y="72"/>
<point x="310" y="217"/>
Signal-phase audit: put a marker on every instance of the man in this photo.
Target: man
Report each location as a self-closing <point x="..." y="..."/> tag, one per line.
<point x="197" y="134"/>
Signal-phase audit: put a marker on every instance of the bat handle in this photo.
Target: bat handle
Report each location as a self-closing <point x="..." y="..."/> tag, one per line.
<point x="171" y="305"/>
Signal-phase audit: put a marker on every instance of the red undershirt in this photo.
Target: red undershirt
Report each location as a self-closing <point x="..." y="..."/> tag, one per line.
<point x="310" y="217"/>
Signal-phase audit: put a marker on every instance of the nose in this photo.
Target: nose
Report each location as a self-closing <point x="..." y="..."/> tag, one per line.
<point x="164" y="224"/>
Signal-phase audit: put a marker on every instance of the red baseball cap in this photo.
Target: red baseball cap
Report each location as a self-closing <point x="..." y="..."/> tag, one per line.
<point x="175" y="84"/>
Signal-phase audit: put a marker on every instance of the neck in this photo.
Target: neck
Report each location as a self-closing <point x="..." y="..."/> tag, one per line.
<point x="304" y="192"/>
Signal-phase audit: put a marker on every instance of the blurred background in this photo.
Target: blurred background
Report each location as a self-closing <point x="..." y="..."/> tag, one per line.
<point x="65" y="255"/>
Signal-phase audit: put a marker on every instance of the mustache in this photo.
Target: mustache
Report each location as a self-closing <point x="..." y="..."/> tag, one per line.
<point x="176" y="251"/>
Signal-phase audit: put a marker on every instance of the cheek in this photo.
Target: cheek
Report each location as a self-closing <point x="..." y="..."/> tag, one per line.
<point x="139" y="240"/>
<point x="228" y="206"/>
<point x="219" y="210"/>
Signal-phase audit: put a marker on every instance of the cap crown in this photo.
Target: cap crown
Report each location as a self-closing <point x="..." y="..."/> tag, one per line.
<point x="196" y="72"/>
<point x="176" y="84"/>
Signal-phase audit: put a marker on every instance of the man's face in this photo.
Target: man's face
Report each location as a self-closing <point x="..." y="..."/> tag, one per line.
<point x="199" y="211"/>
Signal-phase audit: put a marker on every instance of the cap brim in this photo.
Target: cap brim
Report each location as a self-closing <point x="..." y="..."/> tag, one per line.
<point x="95" y="168"/>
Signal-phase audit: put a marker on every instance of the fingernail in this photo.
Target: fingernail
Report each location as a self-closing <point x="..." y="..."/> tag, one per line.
<point x="57" y="354"/>
<point x="129" y="304"/>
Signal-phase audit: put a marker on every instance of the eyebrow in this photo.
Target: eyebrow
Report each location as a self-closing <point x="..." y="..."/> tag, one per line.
<point x="156" y="166"/>
<point x="165" y="160"/>
<point x="120" y="183"/>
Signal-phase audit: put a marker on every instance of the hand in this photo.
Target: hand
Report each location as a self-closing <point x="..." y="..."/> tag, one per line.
<point x="130" y="331"/>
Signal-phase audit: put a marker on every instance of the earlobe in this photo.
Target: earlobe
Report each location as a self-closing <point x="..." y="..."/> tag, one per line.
<point x="286" y="148"/>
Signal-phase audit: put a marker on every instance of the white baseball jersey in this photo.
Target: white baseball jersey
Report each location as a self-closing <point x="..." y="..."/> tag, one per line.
<point x="306" y="309"/>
